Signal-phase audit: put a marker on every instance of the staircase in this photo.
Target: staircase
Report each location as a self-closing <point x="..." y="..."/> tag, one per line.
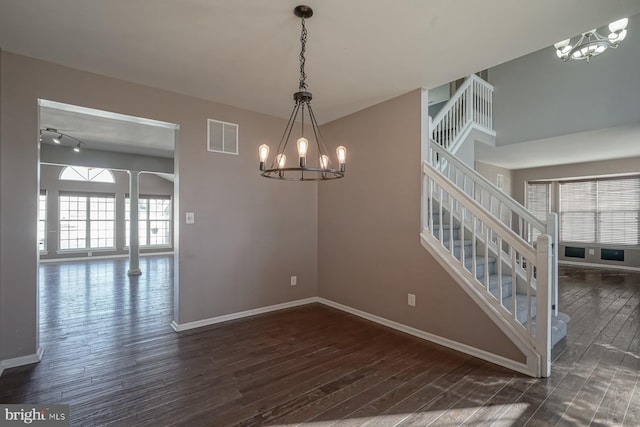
<point x="501" y="254"/>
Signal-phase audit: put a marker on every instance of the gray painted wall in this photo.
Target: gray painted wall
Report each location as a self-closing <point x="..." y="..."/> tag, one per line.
<point x="539" y="96"/>
<point x="370" y="256"/>
<point x="250" y="234"/>
<point x="491" y="173"/>
<point x="609" y="167"/>
<point x="150" y="184"/>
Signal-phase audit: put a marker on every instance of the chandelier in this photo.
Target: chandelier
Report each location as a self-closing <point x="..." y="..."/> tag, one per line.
<point x="313" y="161"/>
<point x="591" y="43"/>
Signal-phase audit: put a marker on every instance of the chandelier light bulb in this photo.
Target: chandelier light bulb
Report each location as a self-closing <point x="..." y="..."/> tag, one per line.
<point x="281" y="159"/>
<point x="618" y="36"/>
<point x="263" y="153"/>
<point x="303" y="145"/>
<point x="619" y="25"/>
<point x="324" y="161"/>
<point x="563" y="52"/>
<point x="342" y="154"/>
<point x="561" y="45"/>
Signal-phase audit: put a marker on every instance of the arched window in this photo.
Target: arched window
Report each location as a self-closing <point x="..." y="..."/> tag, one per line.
<point x="81" y="173"/>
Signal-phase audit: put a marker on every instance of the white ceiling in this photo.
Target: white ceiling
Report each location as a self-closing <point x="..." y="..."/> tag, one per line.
<point x="604" y="144"/>
<point x="245" y="53"/>
<point x="100" y="130"/>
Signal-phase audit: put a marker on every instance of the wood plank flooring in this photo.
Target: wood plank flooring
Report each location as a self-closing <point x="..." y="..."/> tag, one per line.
<point x="111" y="355"/>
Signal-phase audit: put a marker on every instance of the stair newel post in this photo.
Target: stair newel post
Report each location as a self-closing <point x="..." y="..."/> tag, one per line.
<point x="544" y="270"/>
<point x="552" y="231"/>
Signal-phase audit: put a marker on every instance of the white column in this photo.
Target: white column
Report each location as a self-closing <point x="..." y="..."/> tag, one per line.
<point x="134" y="244"/>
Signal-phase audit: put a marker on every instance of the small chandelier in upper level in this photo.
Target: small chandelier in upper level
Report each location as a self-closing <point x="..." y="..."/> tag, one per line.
<point x="591" y="43"/>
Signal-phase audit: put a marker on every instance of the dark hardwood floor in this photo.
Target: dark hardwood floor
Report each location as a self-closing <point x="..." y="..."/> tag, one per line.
<point x="111" y="355"/>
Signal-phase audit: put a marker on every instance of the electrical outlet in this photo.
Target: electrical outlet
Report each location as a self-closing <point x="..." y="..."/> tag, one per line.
<point x="591" y="252"/>
<point x="411" y="300"/>
<point x="294" y="280"/>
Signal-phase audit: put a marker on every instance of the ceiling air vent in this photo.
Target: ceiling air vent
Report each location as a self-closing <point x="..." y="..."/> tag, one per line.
<point x="222" y="137"/>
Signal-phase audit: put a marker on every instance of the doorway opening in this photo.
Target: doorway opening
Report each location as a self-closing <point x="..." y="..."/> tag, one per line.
<point x="92" y="165"/>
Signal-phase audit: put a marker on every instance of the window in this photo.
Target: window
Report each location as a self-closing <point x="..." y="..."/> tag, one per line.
<point x="42" y="221"/>
<point x="81" y="173"/>
<point x="154" y="221"/>
<point x="87" y="221"/>
<point x="600" y="211"/>
<point x="538" y="201"/>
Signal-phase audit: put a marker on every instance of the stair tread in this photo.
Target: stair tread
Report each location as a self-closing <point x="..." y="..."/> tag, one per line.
<point x="558" y="327"/>
<point x="479" y="261"/>
<point x="507" y="289"/>
<point x="446" y="226"/>
<point x="456" y="243"/>
<point x="521" y="307"/>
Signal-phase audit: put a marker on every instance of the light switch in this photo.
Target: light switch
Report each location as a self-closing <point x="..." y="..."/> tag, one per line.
<point x="190" y="218"/>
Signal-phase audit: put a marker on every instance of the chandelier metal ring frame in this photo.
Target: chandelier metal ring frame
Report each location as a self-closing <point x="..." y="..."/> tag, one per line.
<point x="324" y="169"/>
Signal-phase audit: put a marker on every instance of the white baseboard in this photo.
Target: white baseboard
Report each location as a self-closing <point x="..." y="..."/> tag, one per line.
<point x="463" y="348"/>
<point x="600" y="266"/>
<point x="22" y="360"/>
<point x="239" y="315"/>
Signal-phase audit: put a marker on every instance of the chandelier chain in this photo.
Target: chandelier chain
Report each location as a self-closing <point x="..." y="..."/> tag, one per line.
<point x="303" y="49"/>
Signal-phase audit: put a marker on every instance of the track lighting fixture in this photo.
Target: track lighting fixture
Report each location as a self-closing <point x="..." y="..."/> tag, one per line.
<point x="58" y="137"/>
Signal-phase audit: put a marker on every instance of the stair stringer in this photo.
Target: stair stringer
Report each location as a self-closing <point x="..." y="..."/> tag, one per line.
<point x="466" y="281"/>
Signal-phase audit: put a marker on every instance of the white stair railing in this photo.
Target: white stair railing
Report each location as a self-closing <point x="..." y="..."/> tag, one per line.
<point x="500" y="205"/>
<point x="501" y="237"/>
<point x="491" y="241"/>
<point x="472" y="104"/>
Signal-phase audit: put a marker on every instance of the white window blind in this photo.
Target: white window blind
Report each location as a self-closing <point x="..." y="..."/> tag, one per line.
<point x="538" y="202"/>
<point x="618" y="208"/>
<point x="538" y="199"/>
<point x="600" y="211"/>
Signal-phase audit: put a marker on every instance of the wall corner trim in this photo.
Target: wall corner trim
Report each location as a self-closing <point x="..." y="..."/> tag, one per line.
<point x="22" y="360"/>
